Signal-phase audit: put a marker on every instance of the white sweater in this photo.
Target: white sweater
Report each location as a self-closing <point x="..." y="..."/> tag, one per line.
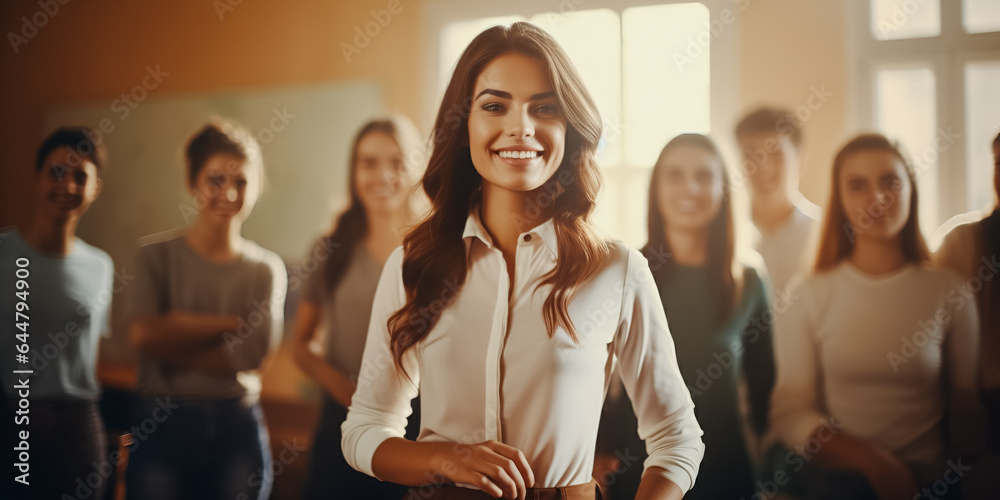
<point x="882" y="356"/>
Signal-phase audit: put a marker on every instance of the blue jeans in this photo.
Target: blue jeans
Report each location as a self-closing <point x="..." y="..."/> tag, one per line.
<point x="68" y="450"/>
<point x="199" y="450"/>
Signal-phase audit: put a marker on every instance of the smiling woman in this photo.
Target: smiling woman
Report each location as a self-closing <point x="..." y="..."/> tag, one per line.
<point x="513" y="182"/>
<point x="50" y="339"/>
<point x="205" y="311"/>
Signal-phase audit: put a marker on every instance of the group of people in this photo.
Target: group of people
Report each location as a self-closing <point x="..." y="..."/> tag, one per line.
<point x="497" y="344"/>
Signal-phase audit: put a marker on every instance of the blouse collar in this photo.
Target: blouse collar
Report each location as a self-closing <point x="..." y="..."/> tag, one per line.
<point x="544" y="232"/>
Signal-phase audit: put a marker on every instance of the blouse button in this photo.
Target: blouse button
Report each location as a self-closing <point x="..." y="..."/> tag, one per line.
<point x="527" y="237"/>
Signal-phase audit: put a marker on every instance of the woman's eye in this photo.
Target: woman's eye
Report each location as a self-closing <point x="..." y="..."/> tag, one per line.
<point x="492" y="107"/>
<point x="547" y="109"/>
<point x="242" y="183"/>
<point x="217" y="180"/>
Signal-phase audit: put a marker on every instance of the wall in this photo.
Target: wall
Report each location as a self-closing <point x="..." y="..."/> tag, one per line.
<point x="99" y="50"/>
<point x="791" y="50"/>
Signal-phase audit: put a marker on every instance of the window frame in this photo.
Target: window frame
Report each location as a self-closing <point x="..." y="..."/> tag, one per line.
<point x="946" y="55"/>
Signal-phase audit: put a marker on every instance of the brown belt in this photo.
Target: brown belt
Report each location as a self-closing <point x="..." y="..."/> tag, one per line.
<point x="586" y="491"/>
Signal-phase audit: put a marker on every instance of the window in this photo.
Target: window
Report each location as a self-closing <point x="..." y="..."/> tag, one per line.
<point x="981" y="16"/>
<point x="897" y="19"/>
<point x="928" y="78"/>
<point x="647" y="66"/>
<point x="905" y="100"/>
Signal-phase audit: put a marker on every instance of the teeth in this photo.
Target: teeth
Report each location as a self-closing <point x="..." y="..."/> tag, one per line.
<point x="518" y="154"/>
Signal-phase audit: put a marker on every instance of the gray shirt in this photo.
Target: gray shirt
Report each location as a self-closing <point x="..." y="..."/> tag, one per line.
<point x="170" y="276"/>
<point x="345" y="312"/>
<point x="67" y="311"/>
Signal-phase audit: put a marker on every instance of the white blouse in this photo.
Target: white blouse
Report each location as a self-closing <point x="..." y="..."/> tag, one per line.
<point x="489" y="371"/>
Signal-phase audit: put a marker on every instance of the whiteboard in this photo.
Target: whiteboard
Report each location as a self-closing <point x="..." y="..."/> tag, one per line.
<point x="305" y="133"/>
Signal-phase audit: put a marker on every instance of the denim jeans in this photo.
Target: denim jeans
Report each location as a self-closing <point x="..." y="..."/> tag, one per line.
<point x="68" y="451"/>
<point x="199" y="450"/>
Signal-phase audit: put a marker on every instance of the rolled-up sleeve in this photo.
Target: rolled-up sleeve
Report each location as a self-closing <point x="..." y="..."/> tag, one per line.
<point x="648" y="369"/>
<point x="381" y="402"/>
<point x="795" y="409"/>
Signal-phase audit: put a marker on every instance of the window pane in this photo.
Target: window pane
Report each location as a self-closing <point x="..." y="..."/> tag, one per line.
<point x="456" y="38"/>
<point x="980" y="16"/>
<point x="592" y="38"/>
<point x="665" y="78"/>
<point x="906" y="112"/>
<point x="982" y="124"/>
<point x="894" y="19"/>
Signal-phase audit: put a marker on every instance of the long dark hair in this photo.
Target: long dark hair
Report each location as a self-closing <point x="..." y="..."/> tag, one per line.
<point x="720" y="261"/>
<point x="434" y="251"/>
<point x="836" y="243"/>
<point x="352" y="224"/>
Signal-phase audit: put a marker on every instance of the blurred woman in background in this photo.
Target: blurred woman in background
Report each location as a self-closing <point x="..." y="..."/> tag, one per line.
<point x="717" y="308"/>
<point x="338" y="296"/>
<point x="58" y="306"/>
<point x="205" y="310"/>
<point x="878" y="348"/>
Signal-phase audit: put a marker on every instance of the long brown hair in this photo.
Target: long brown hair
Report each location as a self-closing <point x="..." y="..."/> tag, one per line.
<point x="352" y="224"/>
<point x="720" y="261"/>
<point x="435" y="252"/>
<point x="837" y="240"/>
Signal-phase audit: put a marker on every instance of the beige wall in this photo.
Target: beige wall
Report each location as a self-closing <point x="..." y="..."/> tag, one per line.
<point x="98" y="50"/>
<point x="789" y="49"/>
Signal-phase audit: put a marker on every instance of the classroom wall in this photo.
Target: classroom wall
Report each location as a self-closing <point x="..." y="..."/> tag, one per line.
<point x="99" y="50"/>
<point x="788" y="48"/>
<point x="792" y="51"/>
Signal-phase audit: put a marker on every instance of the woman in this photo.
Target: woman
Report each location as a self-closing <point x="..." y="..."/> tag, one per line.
<point x="878" y="348"/>
<point x="339" y="295"/>
<point x="206" y="309"/>
<point x="505" y="309"/>
<point x="717" y="308"/>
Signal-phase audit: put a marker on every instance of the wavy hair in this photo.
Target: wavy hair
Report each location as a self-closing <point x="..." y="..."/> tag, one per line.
<point x="434" y="252"/>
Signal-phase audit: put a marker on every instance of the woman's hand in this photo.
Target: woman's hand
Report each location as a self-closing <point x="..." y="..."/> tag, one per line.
<point x="496" y="468"/>
<point x="889" y="476"/>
